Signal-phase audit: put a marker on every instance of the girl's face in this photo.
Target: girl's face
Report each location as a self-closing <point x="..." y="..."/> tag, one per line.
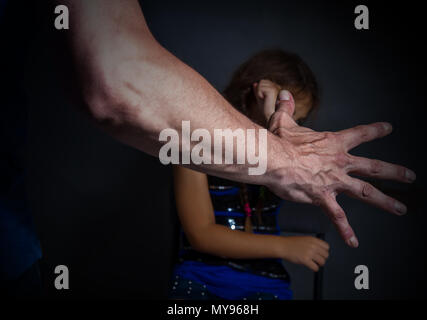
<point x="260" y="113"/>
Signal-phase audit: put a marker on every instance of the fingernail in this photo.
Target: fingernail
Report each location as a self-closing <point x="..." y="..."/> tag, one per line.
<point x="400" y="208"/>
<point x="410" y="175"/>
<point x="284" y="95"/>
<point x="352" y="242"/>
<point x="387" y="127"/>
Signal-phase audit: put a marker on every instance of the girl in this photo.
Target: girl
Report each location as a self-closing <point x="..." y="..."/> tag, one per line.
<point x="232" y="248"/>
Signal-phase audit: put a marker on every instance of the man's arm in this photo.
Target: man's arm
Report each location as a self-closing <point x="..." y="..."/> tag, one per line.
<point x="134" y="88"/>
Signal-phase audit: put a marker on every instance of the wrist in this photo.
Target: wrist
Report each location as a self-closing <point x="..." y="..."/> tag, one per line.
<point x="280" y="247"/>
<point x="279" y="161"/>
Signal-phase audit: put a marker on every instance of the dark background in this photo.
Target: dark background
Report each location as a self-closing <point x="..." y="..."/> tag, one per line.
<point x="104" y="209"/>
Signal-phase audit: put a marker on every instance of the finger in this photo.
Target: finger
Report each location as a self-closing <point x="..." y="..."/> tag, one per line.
<point x="282" y="118"/>
<point x="319" y="260"/>
<point x="323" y="252"/>
<point x="366" y="192"/>
<point x="312" y="265"/>
<point x="266" y="93"/>
<point x="286" y="102"/>
<point x="270" y="97"/>
<point x="380" y="169"/>
<point x="258" y="93"/>
<point x="354" y="136"/>
<point x="339" y="219"/>
<point x="322" y="243"/>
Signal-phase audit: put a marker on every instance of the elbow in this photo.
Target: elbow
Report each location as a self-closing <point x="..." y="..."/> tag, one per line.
<point x="107" y="95"/>
<point x="106" y="106"/>
<point x="205" y="242"/>
<point x="196" y="243"/>
<point x="122" y="110"/>
<point x="199" y="243"/>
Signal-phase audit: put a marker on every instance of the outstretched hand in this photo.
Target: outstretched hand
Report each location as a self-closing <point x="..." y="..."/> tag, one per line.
<point x="320" y="166"/>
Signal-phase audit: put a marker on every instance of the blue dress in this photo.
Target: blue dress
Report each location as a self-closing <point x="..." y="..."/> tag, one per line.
<point x="203" y="276"/>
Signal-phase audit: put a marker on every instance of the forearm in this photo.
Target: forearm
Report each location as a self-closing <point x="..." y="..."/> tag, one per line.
<point x="221" y="241"/>
<point x="134" y="88"/>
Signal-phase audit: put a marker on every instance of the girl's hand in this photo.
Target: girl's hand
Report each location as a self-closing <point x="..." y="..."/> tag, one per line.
<point x="309" y="251"/>
<point x="266" y="94"/>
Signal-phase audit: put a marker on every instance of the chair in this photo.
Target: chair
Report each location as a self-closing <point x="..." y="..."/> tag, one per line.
<point x="305" y="219"/>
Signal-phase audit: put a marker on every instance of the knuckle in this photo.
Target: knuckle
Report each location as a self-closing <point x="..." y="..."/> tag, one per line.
<point x="330" y="136"/>
<point x="338" y="216"/>
<point x="376" y="166"/>
<point x="367" y="190"/>
<point x="273" y="118"/>
<point x="364" y="131"/>
<point x="317" y="201"/>
<point x="343" y="160"/>
<point x="265" y="83"/>
<point x="269" y="90"/>
<point x="283" y="121"/>
<point x="280" y="132"/>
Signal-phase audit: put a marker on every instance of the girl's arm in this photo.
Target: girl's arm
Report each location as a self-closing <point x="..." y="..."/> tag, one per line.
<point x="197" y="217"/>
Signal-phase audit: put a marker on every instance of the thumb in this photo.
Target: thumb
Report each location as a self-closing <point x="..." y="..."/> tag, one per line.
<point x="285" y="108"/>
<point x="286" y="102"/>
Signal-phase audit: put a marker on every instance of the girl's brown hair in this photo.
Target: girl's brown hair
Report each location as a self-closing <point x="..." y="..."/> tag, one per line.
<point x="283" y="68"/>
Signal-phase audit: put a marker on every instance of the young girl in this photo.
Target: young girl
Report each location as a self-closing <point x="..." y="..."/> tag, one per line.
<point x="232" y="248"/>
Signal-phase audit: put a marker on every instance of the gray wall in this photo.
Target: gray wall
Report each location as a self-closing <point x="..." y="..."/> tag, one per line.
<point x="366" y="76"/>
<point x="117" y="232"/>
